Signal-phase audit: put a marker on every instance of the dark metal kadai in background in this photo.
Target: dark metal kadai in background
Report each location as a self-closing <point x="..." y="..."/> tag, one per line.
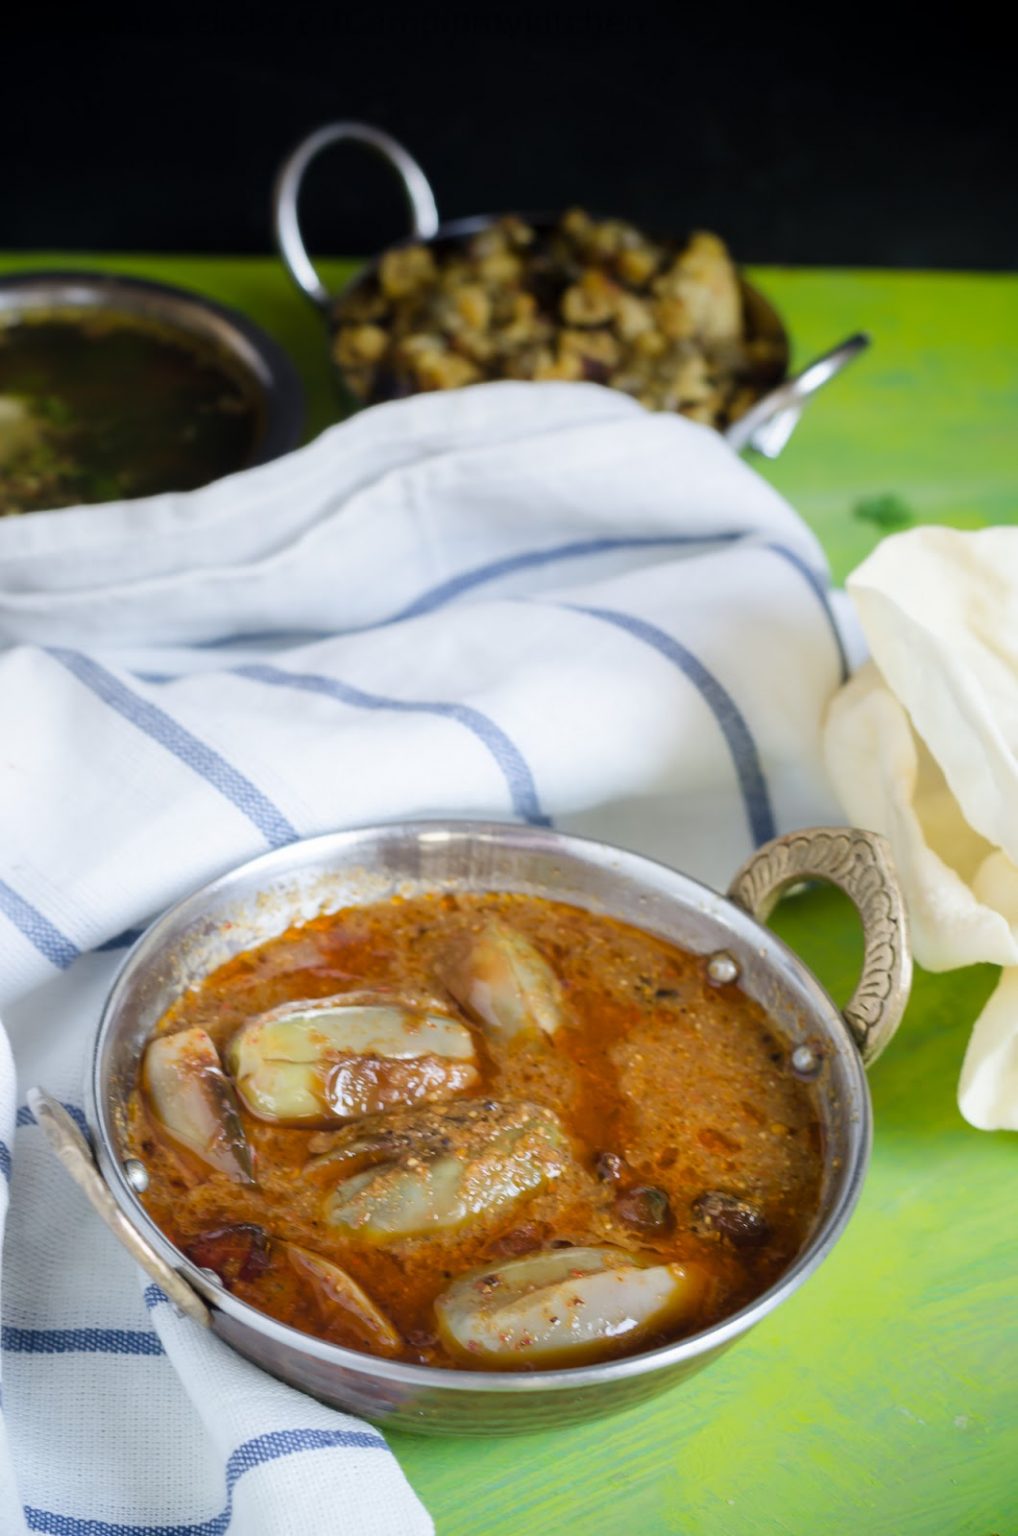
<point x="766" y="428"/>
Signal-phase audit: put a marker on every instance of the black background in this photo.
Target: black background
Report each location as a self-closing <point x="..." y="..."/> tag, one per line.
<point x="852" y="146"/>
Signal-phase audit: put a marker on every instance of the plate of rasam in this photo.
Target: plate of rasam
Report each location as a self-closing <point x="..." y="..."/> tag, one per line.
<point x="114" y="388"/>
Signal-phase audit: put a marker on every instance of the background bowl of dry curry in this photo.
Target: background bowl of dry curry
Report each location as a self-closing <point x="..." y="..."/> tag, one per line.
<point x="537" y="296"/>
<point x="408" y="862"/>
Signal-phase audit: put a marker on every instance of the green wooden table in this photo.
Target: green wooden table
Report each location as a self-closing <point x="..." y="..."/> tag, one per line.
<point x="883" y="1397"/>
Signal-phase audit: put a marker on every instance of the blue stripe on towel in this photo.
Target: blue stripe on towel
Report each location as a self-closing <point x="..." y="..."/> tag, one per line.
<point x="818" y="585"/>
<point x="479" y="575"/>
<point x="255" y="637"/>
<point x="253" y="1453"/>
<point x="736" y="732"/>
<point x="530" y="559"/>
<point x="524" y="560"/>
<point x="514" y="766"/>
<point x="191" y="751"/>
<point x="37" y="928"/>
<point x="5" y="1161"/>
<point x="25" y="1116"/>
<point x="120" y="941"/>
<point x="83" y="1341"/>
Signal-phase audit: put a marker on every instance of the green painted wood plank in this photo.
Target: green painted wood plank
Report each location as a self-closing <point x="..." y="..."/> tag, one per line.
<point x="883" y="1397"/>
<point x="929" y="414"/>
<point x="879" y="1398"/>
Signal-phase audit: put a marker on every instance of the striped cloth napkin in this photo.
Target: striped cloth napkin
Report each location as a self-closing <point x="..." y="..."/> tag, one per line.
<point x="518" y="601"/>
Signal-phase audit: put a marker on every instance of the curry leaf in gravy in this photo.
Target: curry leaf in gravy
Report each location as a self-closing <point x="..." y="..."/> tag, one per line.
<point x="338" y="1294"/>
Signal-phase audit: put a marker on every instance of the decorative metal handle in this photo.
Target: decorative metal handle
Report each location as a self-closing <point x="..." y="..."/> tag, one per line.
<point x="419" y="196"/>
<point x="860" y="863"/>
<point x="75" y="1153"/>
<point x="771" y="422"/>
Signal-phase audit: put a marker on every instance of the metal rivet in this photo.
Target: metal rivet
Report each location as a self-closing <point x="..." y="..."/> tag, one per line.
<point x="721" y="967"/>
<point x="805" y="1061"/>
<point x="136" y="1175"/>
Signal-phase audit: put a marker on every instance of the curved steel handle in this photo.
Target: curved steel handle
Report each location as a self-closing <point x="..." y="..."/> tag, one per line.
<point x="771" y="422"/>
<point x="419" y="196"/>
<point x="860" y="863"/>
<point x="75" y="1153"/>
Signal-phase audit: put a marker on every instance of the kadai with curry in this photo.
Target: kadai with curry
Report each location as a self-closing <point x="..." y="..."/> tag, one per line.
<point x="489" y="1131"/>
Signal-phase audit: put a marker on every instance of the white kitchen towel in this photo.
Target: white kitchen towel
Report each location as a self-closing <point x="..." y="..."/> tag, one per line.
<point x="518" y="601"/>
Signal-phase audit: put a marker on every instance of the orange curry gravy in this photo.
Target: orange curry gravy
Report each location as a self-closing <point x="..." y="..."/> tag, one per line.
<point x="663" y="1080"/>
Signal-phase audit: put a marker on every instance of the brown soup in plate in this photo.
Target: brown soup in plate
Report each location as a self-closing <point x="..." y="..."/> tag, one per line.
<point x="488" y="1131"/>
<point x="98" y="405"/>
